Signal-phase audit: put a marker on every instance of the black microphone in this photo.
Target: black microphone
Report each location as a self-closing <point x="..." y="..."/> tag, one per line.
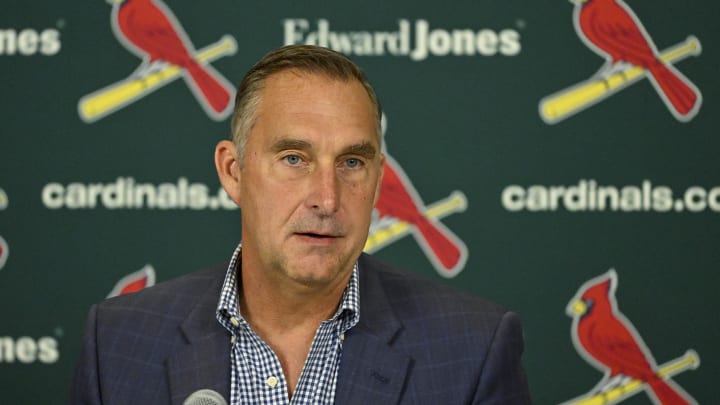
<point x="205" y="397"/>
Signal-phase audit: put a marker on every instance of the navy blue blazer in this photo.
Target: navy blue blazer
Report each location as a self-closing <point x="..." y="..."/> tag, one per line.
<point x="417" y="342"/>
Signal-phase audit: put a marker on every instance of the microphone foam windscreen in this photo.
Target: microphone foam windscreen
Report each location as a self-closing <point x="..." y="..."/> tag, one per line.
<point x="205" y="397"/>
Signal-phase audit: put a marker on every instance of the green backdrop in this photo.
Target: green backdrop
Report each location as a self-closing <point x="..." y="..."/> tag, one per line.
<point x="92" y="193"/>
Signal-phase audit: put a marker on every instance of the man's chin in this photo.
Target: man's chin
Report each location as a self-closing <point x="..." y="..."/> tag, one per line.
<point x="318" y="273"/>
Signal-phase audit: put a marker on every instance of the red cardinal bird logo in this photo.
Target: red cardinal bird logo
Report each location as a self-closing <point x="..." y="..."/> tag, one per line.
<point x="609" y="341"/>
<point x="612" y="30"/>
<point x="149" y="29"/>
<point x="400" y="201"/>
<point x="134" y="282"/>
<point x="400" y="211"/>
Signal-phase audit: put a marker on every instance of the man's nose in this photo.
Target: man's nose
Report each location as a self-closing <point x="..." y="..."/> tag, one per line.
<point x="324" y="197"/>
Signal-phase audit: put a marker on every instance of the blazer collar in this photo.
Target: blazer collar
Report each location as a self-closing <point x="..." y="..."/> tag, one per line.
<point x="370" y="367"/>
<point x="204" y="361"/>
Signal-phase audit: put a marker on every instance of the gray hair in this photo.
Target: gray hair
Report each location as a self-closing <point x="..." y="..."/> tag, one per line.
<point x="303" y="58"/>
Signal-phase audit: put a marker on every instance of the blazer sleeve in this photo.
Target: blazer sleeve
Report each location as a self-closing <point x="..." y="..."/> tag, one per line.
<point x="503" y="380"/>
<point x="85" y="389"/>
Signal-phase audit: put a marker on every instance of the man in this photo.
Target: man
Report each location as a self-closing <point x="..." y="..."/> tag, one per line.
<point x="301" y="316"/>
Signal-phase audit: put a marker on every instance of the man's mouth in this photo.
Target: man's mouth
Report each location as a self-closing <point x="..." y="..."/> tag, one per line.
<point x="316" y="235"/>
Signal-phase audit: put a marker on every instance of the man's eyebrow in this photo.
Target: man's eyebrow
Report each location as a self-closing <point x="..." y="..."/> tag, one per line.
<point x="285" y="144"/>
<point x="364" y="149"/>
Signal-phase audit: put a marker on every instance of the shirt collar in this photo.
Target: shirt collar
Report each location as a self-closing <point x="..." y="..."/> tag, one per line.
<point x="348" y="311"/>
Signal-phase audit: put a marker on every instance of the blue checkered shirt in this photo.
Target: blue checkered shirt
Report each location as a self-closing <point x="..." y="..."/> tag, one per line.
<point x="256" y="376"/>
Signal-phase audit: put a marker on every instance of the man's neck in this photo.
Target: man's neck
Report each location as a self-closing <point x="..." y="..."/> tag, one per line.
<point x="287" y="317"/>
<point x="273" y="301"/>
<point x="266" y="307"/>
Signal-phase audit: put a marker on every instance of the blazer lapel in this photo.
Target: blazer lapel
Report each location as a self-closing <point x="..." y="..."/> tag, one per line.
<point x="204" y="362"/>
<point x="371" y="370"/>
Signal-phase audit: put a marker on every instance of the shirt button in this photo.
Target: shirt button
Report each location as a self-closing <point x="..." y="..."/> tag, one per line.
<point x="272" y="381"/>
<point x="342" y="336"/>
<point x="234" y="321"/>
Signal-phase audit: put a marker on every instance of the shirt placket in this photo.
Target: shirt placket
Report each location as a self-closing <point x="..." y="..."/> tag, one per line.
<point x="262" y="370"/>
<point x="256" y="375"/>
<point x="318" y="372"/>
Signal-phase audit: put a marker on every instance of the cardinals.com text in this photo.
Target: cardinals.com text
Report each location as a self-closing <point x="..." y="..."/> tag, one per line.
<point x="126" y="193"/>
<point x="588" y="196"/>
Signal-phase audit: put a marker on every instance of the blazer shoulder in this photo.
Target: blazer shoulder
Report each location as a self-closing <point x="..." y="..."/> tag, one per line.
<point x="173" y="297"/>
<point x="151" y="341"/>
<point x="459" y="348"/>
<point x="408" y="291"/>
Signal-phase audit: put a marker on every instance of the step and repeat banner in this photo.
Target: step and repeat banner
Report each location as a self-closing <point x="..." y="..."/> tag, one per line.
<point x="558" y="157"/>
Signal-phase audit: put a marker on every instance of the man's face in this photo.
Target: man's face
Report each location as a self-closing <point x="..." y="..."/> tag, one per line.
<point x="310" y="178"/>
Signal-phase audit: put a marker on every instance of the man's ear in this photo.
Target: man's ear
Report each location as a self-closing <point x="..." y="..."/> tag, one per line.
<point x="228" y="169"/>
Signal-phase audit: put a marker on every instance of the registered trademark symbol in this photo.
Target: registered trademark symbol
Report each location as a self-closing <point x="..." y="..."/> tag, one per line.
<point x="59" y="332"/>
<point x="520" y="24"/>
<point x="60" y="23"/>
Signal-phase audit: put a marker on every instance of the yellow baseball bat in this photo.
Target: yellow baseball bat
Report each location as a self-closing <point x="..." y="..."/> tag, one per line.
<point x="689" y="361"/>
<point x="564" y="103"/>
<point x="96" y="105"/>
<point x="395" y="229"/>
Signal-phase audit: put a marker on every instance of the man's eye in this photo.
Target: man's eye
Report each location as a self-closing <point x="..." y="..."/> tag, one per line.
<point x="292" y="159"/>
<point x="353" y="163"/>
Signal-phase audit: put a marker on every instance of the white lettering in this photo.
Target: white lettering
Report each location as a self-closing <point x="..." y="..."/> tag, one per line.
<point x="294" y="29"/>
<point x="608" y="193"/>
<point x="76" y="196"/>
<point x="630" y="198"/>
<point x="52" y="195"/>
<point x="575" y="198"/>
<point x="662" y="199"/>
<point x="587" y="196"/>
<point x="48" y="352"/>
<point x="513" y="198"/>
<point x="8" y="42"/>
<point x="537" y="199"/>
<point x="463" y="42"/>
<point x="440" y="42"/>
<point x="50" y="42"/>
<point x="198" y="196"/>
<point x="166" y="196"/>
<point x="30" y="42"/>
<point x="126" y="193"/>
<point x="714" y="199"/>
<point x="436" y="42"/>
<point x="421" y="48"/>
<point x="695" y="199"/>
<point x="403" y="47"/>
<point x="487" y="42"/>
<point x="509" y="42"/>
<point x="27" y="350"/>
